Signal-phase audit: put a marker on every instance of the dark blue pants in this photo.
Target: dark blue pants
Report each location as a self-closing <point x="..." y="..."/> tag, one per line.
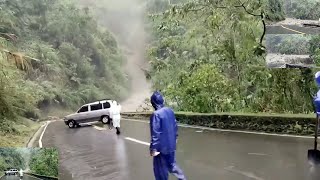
<point x="165" y="163"/>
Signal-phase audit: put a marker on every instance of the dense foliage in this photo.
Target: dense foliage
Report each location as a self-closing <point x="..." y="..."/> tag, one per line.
<point x="295" y="44"/>
<point x="208" y="56"/>
<point x="44" y="162"/>
<point x="274" y="10"/>
<point x="65" y="58"/>
<point x="303" y="9"/>
<point x="315" y="49"/>
<point x="11" y="158"/>
<point x="288" y="44"/>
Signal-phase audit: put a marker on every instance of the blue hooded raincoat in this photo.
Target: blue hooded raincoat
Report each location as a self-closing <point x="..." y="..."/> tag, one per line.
<point x="316" y="100"/>
<point x="164" y="133"/>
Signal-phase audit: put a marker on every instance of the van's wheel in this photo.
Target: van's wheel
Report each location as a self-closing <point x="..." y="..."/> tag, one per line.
<point x="77" y="125"/>
<point x="105" y="119"/>
<point x="71" y="124"/>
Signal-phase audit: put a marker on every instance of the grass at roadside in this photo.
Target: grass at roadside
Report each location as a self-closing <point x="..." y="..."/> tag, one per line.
<point x="24" y="131"/>
<point x="17" y="133"/>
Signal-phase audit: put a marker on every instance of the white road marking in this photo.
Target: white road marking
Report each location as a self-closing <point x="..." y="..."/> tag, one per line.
<point x="40" y="139"/>
<point x="247" y="174"/>
<point x="258" y="154"/>
<point x="228" y="130"/>
<point x="137" y="141"/>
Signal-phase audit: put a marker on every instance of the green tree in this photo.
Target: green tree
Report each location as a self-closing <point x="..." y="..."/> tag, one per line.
<point x="44" y="162"/>
<point x="303" y="9"/>
<point x="222" y="39"/>
<point x="11" y="158"/>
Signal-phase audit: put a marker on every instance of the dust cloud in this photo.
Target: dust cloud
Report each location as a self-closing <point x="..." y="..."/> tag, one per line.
<point x="126" y="20"/>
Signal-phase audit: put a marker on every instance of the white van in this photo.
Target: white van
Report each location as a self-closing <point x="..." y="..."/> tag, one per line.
<point x="96" y="111"/>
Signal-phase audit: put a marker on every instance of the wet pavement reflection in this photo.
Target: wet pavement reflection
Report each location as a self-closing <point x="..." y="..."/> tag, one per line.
<point x="90" y="153"/>
<point x="25" y="177"/>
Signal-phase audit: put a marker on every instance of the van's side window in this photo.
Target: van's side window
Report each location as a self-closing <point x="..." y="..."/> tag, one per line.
<point x="83" y="109"/>
<point x="106" y="105"/>
<point x="96" y="107"/>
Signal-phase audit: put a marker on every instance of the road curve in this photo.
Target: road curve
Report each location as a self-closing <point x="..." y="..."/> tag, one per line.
<point x="99" y="154"/>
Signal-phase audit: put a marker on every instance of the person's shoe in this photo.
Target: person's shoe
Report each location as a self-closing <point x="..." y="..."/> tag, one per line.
<point x="118" y="131"/>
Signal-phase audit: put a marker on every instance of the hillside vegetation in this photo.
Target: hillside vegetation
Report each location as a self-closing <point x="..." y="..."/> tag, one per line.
<point x="209" y="56"/>
<point x="11" y="158"/>
<point x="41" y="161"/>
<point x="53" y="54"/>
<point x="205" y="56"/>
<point x="302" y="9"/>
<point x="294" y="44"/>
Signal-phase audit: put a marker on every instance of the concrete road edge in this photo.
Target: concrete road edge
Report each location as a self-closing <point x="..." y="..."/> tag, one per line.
<point x="31" y="141"/>
<point x="41" y="176"/>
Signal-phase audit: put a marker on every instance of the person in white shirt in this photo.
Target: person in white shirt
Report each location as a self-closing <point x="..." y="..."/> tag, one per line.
<point x="21" y="173"/>
<point x="116" y="117"/>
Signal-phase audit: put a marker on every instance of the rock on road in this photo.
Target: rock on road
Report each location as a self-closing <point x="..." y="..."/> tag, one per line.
<point x="91" y="153"/>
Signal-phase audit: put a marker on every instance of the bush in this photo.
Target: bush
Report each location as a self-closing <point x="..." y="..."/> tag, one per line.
<point x="45" y="162"/>
<point x="6" y="126"/>
<point x="274" y="10"/>
<point x="288" y="124"/>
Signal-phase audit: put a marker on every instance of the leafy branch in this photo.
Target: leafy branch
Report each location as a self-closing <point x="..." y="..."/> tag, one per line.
<point x="190" y="7"/>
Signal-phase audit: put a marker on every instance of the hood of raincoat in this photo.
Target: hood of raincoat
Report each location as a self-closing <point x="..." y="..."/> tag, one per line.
<point x="157" y="100"/>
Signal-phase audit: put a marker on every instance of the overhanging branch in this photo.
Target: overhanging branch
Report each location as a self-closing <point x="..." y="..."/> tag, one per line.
<point x="241" y="5"/>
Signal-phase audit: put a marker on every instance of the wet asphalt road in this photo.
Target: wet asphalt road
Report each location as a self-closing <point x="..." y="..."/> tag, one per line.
<point x="89" y="153"/>
<point x="25" y="177"/>
<point x="295" y="29"/>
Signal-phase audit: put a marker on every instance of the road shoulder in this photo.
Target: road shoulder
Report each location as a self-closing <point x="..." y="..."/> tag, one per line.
<point x="36" y="136"/>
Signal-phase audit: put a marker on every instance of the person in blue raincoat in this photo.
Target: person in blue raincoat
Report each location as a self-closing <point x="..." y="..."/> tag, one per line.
<point x="317" y="79"/>
<point x="316" y="99"/>
<point x="164" y="134"/>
